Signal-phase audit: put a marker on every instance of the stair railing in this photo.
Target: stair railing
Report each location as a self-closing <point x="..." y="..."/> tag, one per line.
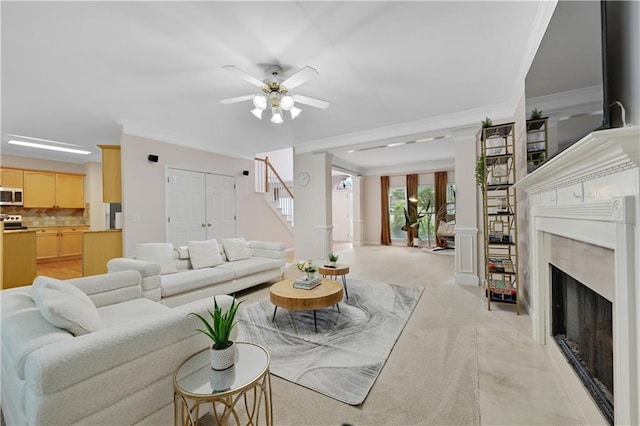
<point x="269" y="181"/>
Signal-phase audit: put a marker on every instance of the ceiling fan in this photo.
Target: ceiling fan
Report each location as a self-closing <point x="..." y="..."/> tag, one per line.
<point x="275" y="92"/>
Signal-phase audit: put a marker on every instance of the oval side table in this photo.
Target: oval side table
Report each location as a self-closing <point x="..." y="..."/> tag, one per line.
<point x="241" y="393"/>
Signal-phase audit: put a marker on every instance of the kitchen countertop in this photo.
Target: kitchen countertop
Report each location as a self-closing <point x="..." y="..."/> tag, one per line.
<point x="16" y="231"/>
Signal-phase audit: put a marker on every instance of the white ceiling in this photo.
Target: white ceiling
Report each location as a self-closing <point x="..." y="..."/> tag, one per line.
<point x="78" y="72"/>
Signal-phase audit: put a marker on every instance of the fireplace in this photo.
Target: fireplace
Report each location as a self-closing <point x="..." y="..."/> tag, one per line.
<point x="582" y="325"/>
<point x="584" y="217"/>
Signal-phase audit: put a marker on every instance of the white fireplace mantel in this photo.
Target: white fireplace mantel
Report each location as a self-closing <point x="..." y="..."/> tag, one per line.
<point x="591" y="193"/>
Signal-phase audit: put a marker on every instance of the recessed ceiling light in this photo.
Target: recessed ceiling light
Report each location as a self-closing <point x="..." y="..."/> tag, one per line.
<point x="49" y="147"/>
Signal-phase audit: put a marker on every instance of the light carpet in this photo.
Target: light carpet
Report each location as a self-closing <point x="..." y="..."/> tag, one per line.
<point x="343" y="359"/>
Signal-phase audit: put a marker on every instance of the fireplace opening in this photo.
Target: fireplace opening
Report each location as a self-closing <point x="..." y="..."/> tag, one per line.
<point x="582" y="325"/>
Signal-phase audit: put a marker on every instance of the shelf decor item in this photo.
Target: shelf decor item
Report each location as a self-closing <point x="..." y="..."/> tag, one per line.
<point x="223" y="351"/>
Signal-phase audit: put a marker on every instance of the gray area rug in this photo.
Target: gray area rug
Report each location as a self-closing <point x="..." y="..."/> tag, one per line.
<point x="343" y="359"/>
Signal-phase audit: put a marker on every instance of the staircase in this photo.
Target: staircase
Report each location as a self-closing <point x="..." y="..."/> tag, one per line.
<point x="278" y="193"/>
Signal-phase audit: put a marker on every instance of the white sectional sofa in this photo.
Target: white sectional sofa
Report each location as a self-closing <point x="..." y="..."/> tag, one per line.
<point x="114" y="367"/>
<point x="178" y="275"/>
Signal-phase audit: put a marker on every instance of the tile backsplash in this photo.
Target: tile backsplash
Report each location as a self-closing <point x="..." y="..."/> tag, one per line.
<point x="35" y="218"/>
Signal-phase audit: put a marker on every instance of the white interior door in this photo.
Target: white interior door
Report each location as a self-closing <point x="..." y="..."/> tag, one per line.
<point x="341" y="215"/>
<point x="186" y="206"/>
<point x="221" y="206"/>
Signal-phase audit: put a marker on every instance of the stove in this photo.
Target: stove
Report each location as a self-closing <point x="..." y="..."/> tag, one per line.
<point x="13" y="221"/>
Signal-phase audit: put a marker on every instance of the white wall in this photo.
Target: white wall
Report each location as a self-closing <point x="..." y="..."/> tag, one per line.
<point x="282" y="161"/>
<point x="144" y="192"/>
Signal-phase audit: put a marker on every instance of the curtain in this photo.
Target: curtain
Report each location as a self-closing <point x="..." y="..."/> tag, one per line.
<point x="385" y="234"/>
<point x="412" y="207"/>
<point x="441" y="199"/>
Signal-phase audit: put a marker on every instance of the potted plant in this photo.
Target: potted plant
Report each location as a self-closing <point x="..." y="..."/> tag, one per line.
<point x="480" y="172"/>
<point x="223" y="351"/>
<point x="333" y="258"/>
<point x="486" y="122"/>
<point x="535" y="114"/>
<point x="307" y="267"/>
<point x="413" y="218"/>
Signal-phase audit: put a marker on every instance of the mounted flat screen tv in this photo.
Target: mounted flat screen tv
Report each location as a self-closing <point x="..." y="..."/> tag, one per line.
<point x="579" y="71"/>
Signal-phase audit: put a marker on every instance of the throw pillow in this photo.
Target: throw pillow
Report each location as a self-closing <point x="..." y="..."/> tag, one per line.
<point x="65" y="287"/>
<point x="161" y="253"/>
<point x="236" y="249"/>
<point x="64" y="308"/>
<point x="204" y="254"/>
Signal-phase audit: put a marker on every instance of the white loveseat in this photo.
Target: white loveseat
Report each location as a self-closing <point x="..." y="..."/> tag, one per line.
<point x="178" y="275"/>
<point x="119" y="372"/>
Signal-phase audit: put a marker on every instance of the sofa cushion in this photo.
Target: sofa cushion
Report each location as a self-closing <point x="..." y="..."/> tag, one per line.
<point x="160" y="253"/>
<point x="236" y="249"/>
<point x="204" y="254"/>
<point x="67" y="311"/>
<point x="194" y="279"/>
<point x="131" y="310"/>
<point x="252" y="265"/>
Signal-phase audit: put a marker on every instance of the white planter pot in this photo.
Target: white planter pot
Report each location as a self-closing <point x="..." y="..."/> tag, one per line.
<point x="221" y="359"/>
<point x="221" y="380"/>
<point x="332" y="264"/>
<point x="417" y="242"/>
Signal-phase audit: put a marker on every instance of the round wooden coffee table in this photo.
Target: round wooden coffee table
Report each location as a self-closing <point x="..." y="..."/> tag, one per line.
<point x="340" y="269"/>
<point x="283" y="295"/>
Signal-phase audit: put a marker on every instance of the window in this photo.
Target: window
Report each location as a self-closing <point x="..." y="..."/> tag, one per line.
<point x="397" y="204"/>
<point x="426" y="207"/>
<point x="451" y="199"/>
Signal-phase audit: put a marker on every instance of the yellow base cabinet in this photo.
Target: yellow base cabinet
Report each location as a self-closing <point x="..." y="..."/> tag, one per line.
<point x="98" y="248"/>
<point x="71" y="240"/>
<point x="47" y="243"/>
<point x="18" y="258"/>
<point x="59" y="242"/>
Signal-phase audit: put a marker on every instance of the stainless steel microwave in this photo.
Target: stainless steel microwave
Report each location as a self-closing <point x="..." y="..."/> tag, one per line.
<point x="10" y="196"/>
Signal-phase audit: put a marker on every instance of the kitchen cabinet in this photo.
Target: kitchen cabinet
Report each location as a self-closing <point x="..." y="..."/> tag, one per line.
<point x="18" y="258"/>
<point x="11" y="178"/>
<point x="111" y="174"/>
<point x="98" y="248"/>
<point x="70" y="241"/>
<point x="53" y="190"/>
<point x="59" y="242"/>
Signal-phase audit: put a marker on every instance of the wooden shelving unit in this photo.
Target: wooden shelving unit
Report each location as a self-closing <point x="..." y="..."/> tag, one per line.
<point x="499" y="212"/>
<point x="537" y="137"/>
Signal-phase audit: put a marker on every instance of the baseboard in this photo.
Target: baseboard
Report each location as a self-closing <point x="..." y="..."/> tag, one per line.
<point x="467" y="279"/>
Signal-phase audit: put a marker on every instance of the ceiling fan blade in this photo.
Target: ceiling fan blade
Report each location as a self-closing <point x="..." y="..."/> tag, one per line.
<point x="300" y="77"/>
<point x="243" y="75"/>
<point x="237" y="99"/>
<point x="317" y="103"/>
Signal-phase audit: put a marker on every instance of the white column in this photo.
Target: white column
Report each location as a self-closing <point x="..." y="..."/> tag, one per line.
<point x="466" y="239"/>
<point x="312" y="209"/>
<point x="358" y="222"/>
<point x="323" y="242"/>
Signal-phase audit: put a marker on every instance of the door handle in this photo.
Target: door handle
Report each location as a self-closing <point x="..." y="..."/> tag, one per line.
<point x="208" y="224"/>
<point x="203" y="225"/>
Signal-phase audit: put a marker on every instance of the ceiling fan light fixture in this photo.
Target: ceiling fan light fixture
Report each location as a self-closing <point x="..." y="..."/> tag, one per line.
<point x="295" y="112"/>
<point x="276" y="115"/>
<point x="286" y="102"/>
<point x="260" y="102"/>
<point x="257" y="112"/>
